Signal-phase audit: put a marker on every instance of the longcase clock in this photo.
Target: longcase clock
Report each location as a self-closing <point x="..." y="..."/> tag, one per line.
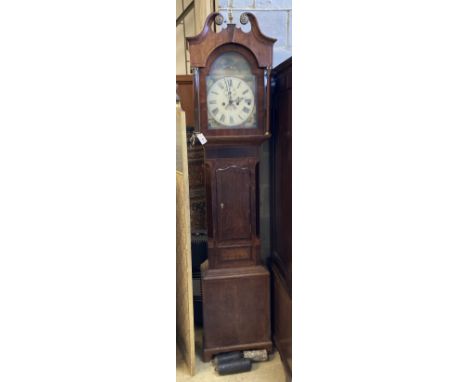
<point x="232" y="83"/>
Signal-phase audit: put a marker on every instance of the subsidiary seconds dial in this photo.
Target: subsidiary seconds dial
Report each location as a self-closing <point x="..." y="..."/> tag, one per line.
<point x="230" y="101"/>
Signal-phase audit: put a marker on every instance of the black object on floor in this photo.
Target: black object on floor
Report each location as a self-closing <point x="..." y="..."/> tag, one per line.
<point x="233" y="366"/>
<point x="226" y="357"/>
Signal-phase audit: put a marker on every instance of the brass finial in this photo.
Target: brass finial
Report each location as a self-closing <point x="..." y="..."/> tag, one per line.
<point x="229" y="9"/>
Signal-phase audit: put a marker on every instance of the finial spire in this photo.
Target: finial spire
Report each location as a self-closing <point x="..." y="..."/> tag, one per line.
<point x="229" y="9"/>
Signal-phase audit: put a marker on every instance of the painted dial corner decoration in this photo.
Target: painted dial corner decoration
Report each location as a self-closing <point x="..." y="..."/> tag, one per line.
<point x="230" y="93"/>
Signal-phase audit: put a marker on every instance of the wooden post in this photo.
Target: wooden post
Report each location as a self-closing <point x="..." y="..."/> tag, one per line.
<point x="185" y="330"/>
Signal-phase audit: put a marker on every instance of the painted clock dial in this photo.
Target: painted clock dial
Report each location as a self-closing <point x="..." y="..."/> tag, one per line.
<point x="230" y="89"/>
<point x="230" y="101"/>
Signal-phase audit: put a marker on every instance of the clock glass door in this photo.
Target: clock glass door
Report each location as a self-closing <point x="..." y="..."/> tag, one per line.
<point x="231" y="93"/>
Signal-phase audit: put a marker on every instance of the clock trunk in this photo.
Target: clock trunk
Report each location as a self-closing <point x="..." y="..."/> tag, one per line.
<point x="231" y="183"/>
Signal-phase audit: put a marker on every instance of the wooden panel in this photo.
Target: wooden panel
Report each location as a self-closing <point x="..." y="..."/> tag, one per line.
<point x="185" y="331"/>
<point x="233" y="202"/>
<point x="202" y="9"/>
<point x="185" y="92"/>
<point x="181" y="64"/>
<point x="281" y="171"/>
<point x="236" y="306"/>
<point x="281" y="165"/>
<point x="282" y="319"/>
<point x="195" y="157"/>
<point x="235" y="253"/>
<point x="196" y="170"/>
<point x="197" y="188"/>
<point x="232" y="152"/>
<point x="235" y="224"/>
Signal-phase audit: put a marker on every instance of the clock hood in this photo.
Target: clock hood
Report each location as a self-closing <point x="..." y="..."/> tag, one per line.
<point x="201" y="45"/>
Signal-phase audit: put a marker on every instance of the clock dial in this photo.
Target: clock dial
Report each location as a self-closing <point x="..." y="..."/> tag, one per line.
<point x="230" y="101"/>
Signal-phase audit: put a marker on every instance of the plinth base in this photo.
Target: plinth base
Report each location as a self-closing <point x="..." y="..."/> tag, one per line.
<point x="236" y="309"/>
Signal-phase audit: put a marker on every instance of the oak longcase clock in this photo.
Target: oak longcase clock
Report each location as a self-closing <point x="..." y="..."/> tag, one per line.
<point x="231" y="71"/>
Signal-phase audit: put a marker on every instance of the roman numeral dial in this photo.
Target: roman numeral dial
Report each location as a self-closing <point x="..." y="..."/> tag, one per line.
<point x="230" y="101"/>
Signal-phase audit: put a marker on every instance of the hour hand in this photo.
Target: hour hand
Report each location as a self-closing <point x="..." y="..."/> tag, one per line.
<point x="229" y="90"/>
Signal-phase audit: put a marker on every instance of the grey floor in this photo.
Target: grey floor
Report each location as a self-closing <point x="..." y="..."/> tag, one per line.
<point x="269" y="371"/>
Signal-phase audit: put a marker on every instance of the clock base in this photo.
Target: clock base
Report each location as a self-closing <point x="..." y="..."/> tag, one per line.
<point x="236" y="309"/>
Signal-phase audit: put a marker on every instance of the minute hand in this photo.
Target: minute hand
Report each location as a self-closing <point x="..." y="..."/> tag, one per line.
<point x="228" y="89"/>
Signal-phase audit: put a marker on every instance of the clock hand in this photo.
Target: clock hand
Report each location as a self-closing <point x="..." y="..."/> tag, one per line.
<point x="227" y="86"/>
<point x="229" y="90"/>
